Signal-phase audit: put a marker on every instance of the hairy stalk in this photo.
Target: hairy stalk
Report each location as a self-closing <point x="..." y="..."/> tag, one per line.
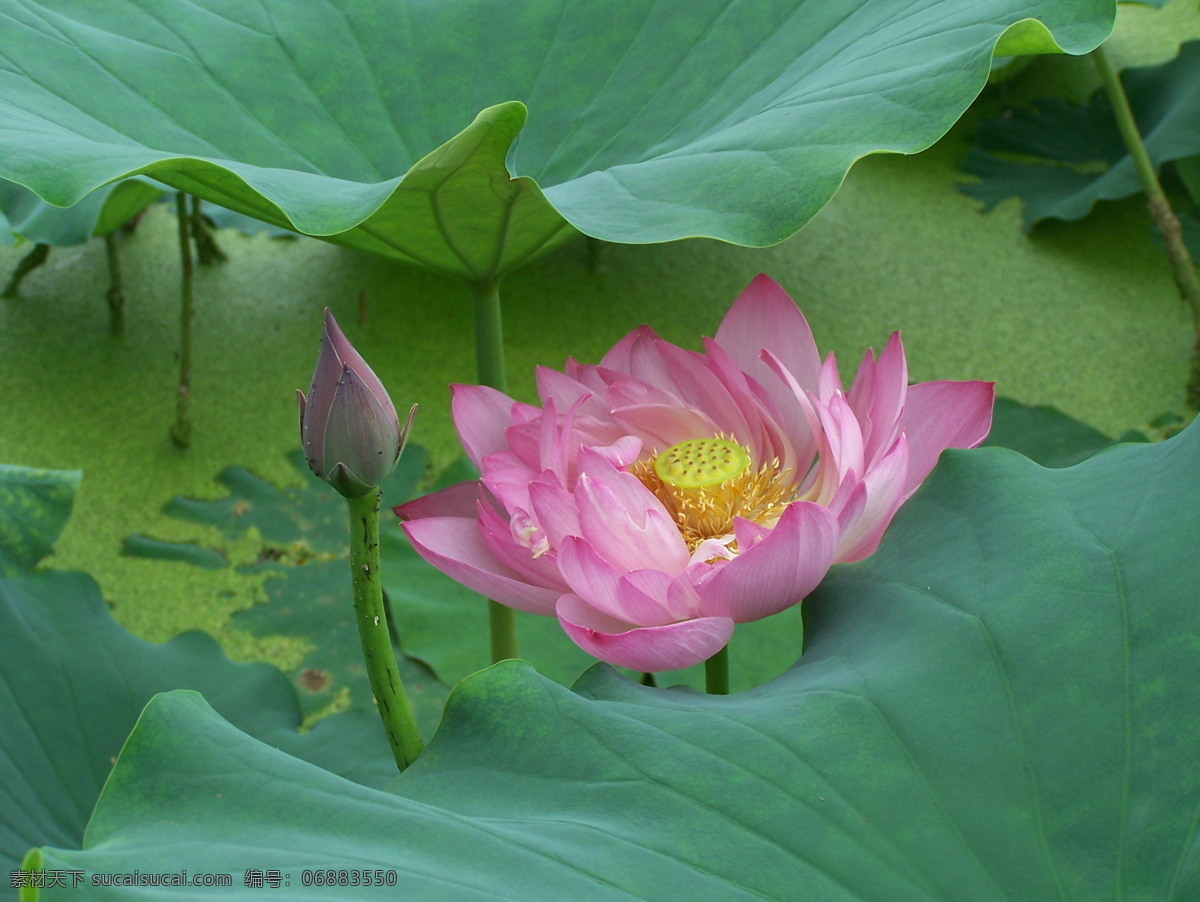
<point x="390" y="697"/>
<point x="489" y="358"/>
<point x="1182" y="266"/>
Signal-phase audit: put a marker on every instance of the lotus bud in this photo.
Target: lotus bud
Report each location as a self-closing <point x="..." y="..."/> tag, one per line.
<point x="351" y="434"/>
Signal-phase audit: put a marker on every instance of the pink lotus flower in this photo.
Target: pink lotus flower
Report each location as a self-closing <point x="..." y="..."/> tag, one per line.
<point x="660" y="497"/>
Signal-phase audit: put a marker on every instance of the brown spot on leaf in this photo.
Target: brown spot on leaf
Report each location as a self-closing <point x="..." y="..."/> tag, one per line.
<point x="313" y="679"/>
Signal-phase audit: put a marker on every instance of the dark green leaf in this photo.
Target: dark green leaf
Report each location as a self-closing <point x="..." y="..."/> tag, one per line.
<point x="1044" y="434"/>
<point x="73" y="684"/>
<point x="1061" y="159"/>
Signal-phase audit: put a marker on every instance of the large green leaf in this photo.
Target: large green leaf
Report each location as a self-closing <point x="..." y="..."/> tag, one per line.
<point x="99" y="213"/>
<point x="73" y="682"/>
<point x="1060" y="159"/>
<point x="392" y="125"/>
<point x="999" y="704"/>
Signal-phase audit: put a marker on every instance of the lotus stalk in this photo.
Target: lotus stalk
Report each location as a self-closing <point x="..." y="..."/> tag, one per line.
<point x="181" y="429"/>
<point x="489" y="355"/>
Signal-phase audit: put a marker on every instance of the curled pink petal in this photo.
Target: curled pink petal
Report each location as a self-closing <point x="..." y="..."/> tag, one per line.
<point x="649" y="648"/>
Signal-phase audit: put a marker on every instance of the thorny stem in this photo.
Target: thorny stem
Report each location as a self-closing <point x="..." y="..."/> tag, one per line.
<point x="181" y="430"/>
<point x="1182" y="266"/>
<point x="390" y="697"/>
<point x="489" y="359"/>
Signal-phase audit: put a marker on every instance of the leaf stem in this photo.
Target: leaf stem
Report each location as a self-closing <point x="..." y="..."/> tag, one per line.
<point x="181" y="429"/>
<point x="27" y="264"/>
<point x="716" y="673"/>
<point x="1182" y="265"/>
<point x="489" y="361"/>
<point x="378" y="655"/>
<point x="489" y="334"/>
<point x="116" y="294"/>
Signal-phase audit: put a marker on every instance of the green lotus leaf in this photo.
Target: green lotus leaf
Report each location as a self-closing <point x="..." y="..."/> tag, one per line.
<point x="400" y="127"/>
<point x="73" y="683"/>
<point x="998" y="704"/>
<point x="99" y="213"/>
<point x="1060" y="159"/>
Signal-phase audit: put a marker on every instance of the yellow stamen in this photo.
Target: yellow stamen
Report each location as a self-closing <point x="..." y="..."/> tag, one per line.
<point x="705" y="483"/>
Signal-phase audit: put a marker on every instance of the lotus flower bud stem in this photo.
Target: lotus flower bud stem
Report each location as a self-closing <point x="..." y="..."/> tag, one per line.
<point x="386" y="686"/>
<point x="489" y="357"/>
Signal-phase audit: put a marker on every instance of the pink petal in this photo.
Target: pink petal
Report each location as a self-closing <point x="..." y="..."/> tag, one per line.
<point x="620" y="356"/>
<point x="776" y="432"/>
<point x="458" y="500"/>
<point x="456" y="547"/>
<point x="555" y="510"/>
<point x="650" y="649"/>
<point x="520" y="546"/>
<point x="842" y="446"/>
<point x="940" y="415"/>
<point x="878" y="394"/>
<point x="481" y="415"/>
<point x="565" y="391"/>
<point x="661" y="426"/>
<point x="777" y="571"/>
<point x="866" y="515"/>
<point x="623" y="520"/>
<point x="639" y="597"/>
<point x="765" y="318"/>
<point x="829" y="382"/>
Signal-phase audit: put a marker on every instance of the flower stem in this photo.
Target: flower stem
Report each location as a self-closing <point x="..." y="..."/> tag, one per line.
<point x="489" y="361"/>
<point x="716" y="673"/>
<point x="181" y="429"/>
<point x="1182" y="266"/>
<point x="380" y="659"/>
